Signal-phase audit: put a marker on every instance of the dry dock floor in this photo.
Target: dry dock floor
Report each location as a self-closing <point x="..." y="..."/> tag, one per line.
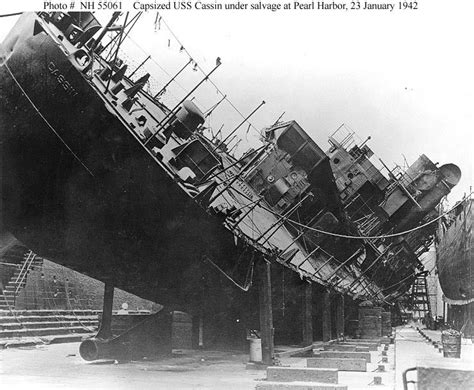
<point x="59" y="366"/>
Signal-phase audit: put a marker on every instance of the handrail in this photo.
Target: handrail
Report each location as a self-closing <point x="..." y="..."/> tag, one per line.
<point x="24" y="271"/>
<point x="23" y="266"/>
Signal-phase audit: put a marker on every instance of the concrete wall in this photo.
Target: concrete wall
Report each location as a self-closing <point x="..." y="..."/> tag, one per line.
<point x="56" y="287"/>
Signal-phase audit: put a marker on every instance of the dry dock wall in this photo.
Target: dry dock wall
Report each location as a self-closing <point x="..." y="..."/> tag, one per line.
<point x="54" y="287"/>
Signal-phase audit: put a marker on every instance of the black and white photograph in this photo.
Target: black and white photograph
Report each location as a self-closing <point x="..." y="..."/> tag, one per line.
<point x="236" y="194"/>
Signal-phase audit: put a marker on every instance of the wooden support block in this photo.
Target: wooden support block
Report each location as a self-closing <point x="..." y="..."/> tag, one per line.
<point x="264" y="385"/>
<point x="371" y="346"/>
<point x="377" y="340"/>
<point x="339" y="363"/>
<point x="312" y="374"/>
<point x="344" y="355"/>
<point x="338" y="347"/>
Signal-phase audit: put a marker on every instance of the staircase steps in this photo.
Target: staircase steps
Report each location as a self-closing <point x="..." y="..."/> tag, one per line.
<point x="42" y="313"/>
<point x="42" y="332"/>
<point x="18" y="278"/>
<point x="49" y="324"/>
<point x="22" y="324"/>
<point x="40" y="319"/>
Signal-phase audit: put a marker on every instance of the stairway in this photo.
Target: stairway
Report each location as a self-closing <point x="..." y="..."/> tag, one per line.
<point x="18" y="280"/>
<point x="28" y="326"/>
<point x="68" y="325"/>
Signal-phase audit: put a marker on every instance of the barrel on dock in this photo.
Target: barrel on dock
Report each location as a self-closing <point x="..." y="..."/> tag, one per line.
<point x="255" y="350"/>
<point x="451" y="345"/>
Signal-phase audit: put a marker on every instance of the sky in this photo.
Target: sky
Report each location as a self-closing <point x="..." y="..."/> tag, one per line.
<point x="403" y="77"/>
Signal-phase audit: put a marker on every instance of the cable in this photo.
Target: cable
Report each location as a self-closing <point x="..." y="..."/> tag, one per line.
<point x="295" y="268"/>
<point x="204" y="73"/>
<point x="243" y="288"/>
<point x="399" y="282"/>
<point x="46" y="121"/>
<point x="8" y="15"/>
<point x="348" y="236"/>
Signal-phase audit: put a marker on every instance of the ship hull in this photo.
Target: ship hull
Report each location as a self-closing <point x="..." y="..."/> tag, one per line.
<point x="79" y="189"/>
<point x="455" y="257"/>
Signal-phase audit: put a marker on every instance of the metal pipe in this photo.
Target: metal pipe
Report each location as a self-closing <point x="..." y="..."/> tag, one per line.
<point x="131" y="23"/>
<point x="162" y="90"/>
<point x="116" y="52"/>
<point x="218" y="132"/>
<point x="104" y="31"/>
<point x="237" y="175"/>
<point x="307" y="257"/>
<point x="369" y="267"/>
<point x="168" y="116"/>
<point x="235" y="163"/>
<point x="139" y="66"/>
<point x="245" y="120"/>
<point x="344" y="263"/>
<point x="324" y="264"/>
<point x="282" y="219"/>
<point x="294" y="240"/>
<point x="256" y="203"/>
<point x="211" y="110"/>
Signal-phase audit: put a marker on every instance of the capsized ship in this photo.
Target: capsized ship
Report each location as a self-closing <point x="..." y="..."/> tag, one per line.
<point x="101" y="176"/>
<point x="117" y="194"/>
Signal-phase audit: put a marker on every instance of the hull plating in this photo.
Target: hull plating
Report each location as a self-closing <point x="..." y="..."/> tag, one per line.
<point x="89" y="197"/>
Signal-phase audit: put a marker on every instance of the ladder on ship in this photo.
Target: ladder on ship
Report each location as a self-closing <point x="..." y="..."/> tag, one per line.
<point x="419" y="298"/>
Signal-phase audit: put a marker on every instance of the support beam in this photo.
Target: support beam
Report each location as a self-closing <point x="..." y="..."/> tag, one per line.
<point x="201" y="332"/>
<point x="266" y="315"/>
<point x="105" y="331"/>
<point x="326" y="316"/>
<point x="307" y="297"/>
<point x="339" y="315"/>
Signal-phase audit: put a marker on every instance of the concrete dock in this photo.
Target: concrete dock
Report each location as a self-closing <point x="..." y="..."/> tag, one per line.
<point x="60" y="367"/>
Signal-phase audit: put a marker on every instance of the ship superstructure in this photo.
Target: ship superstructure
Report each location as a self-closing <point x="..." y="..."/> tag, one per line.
<point x="105" y="119"/>
<point x="382" y="205"/>
<point x="100" y="175"/>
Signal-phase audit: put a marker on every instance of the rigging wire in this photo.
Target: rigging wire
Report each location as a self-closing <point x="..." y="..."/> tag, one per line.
<point x="247" y="282"/>
<point x="8" y="15"/>
<point x="204" y="73"/>
<point x="47" y="122"/>
<point x="399" y="282"/>
<point x="349" y="236"/>
<point x="113" y="41"/>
